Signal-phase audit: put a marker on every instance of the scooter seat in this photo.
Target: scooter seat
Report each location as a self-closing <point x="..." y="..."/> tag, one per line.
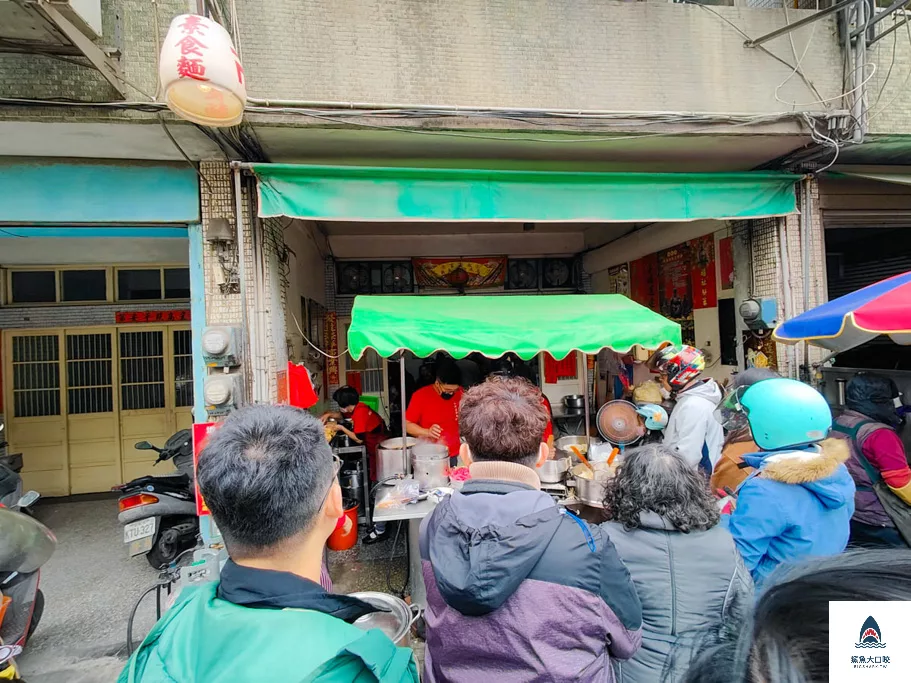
<point x="167" y="482"/>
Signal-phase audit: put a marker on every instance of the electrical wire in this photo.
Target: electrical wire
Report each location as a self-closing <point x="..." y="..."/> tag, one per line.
<point x="902" y="88"/>
<point x="156" y="587"/>
<point x="581" y="139"/>
<point x="797" y="61"/>
<point x="184" y="154"/>
<point x="315" y="347"/>
<point x="761" y="48"/>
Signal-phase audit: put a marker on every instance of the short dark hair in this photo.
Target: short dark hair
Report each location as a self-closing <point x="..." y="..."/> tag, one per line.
<point x="787" y="636"/>
<point x="264" y="474"/>
<point x="448" y="372"/>
<point x="346" y="396"/>
<point x="656" y="478"/>
<point x="503" y="419"/>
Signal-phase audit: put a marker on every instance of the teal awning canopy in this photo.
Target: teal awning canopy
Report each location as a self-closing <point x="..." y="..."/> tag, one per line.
<point x="495" y="325"/>
<point x="358" y="193"/>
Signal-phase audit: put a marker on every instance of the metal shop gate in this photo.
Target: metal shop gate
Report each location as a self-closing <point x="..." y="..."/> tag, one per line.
<point x="77" y="399"/>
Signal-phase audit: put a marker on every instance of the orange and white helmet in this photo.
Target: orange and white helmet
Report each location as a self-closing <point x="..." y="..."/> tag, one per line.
<point x="680" y="366"/>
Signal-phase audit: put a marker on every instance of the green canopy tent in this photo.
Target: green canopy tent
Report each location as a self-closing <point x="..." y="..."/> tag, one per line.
<point x="496" y="325"/>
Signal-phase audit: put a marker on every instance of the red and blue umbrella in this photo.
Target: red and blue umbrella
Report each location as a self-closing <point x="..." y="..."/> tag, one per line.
<point x="858" y="317"/>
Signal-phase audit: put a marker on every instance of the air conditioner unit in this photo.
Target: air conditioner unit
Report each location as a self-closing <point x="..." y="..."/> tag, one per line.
<point x="24" y="22"/>
<point x="85" y="14"/>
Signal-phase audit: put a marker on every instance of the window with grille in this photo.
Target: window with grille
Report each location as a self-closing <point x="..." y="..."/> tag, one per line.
<point x="366" y="374"/>
<point x="142" y="377"/>
<point x="183" y="368"/>
<point x="90" y="385"/>
<point x="36" y="376"/>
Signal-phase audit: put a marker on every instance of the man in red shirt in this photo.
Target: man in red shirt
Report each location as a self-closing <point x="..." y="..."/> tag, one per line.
<point x="367" y="427"/>
<point x="433" y="412"/>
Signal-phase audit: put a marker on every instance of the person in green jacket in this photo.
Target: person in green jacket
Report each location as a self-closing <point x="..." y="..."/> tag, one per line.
<point x="269" y="479"/>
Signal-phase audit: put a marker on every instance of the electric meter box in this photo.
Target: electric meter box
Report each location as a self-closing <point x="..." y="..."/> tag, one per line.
<point x="222" y="346"/>
<point x="760" y="313"/>
<point x="222" y="393"/>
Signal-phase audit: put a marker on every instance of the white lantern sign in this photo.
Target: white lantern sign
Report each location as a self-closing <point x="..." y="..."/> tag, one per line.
<point x="201" y="76"/>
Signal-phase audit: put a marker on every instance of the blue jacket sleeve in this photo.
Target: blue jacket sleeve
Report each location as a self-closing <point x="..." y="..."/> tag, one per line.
<point x="755" y="523"/>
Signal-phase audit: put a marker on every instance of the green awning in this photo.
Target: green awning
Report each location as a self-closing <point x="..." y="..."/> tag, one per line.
<point x="358" y="193"/>
<point x="494" y="325"/>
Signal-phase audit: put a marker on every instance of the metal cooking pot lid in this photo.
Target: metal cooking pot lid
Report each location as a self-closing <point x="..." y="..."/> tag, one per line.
<point x="394" y="619"/>
<point x="618" y="423"/>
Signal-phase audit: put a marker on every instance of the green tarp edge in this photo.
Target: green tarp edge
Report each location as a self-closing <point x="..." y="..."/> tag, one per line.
<point x="494" y="325"/>
<point x="359" y="193"/>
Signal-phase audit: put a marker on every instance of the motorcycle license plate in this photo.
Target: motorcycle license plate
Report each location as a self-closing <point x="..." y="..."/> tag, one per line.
<point x="139" y="535"/>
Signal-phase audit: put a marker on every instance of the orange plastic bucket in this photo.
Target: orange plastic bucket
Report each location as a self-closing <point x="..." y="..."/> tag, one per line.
<point x="345" y="534"/>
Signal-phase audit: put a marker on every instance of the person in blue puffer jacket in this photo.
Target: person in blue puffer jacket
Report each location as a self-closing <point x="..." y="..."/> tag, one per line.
<point x="799" y="500"/>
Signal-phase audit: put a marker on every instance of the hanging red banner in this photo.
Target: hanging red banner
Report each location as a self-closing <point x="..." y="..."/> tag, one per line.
<point x="702" y="263"/>
<point x="643" y="277"/>
<point x="200" y="432"/>
<point x="330" y="332"/>
<point x="462" y="273"/>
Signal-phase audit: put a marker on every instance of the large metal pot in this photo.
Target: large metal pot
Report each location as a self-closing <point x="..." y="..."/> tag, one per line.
<point x="574" y="401"/>
<point x="562" y="446"/>
<point x="591" y="491"/>
<point x="390" y="459"/>
<point x="552" y="471"/>
<point x="430" y="465"/>
<point x="395" y="620"/>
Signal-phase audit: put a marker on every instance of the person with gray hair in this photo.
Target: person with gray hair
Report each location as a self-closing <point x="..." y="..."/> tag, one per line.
<point x="663" y="521"/>
<point x="270" y="481"/>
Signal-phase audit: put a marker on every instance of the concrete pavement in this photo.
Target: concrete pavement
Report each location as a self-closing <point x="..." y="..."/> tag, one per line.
<point x="90" y="586"/>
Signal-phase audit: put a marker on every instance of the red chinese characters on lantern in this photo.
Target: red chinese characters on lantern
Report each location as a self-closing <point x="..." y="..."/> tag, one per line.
<point x="193" y="25"/>
<point x="240" y="69"/>
<point x="191" y="68"/>
<point x="190" y="64"/>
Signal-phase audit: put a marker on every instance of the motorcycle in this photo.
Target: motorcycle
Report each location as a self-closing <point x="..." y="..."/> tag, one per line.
<point x="11" y="495"/>
<point x="25" y="545"/>
<point x="158" y="513"/>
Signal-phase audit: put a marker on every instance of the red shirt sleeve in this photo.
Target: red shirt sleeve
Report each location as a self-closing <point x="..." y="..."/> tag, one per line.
<point x="886" y="453"/>
<point x="364" y="419"/>
<point x="417" y="405"/>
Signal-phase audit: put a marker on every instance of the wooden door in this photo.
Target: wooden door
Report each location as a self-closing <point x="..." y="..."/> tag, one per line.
<point x="93" y="429"/>
<point x="35" y="417"/>
<point x="144" y="381"/>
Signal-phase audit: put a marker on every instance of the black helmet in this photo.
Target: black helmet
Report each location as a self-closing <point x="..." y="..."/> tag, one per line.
<point x="874" y="396"/>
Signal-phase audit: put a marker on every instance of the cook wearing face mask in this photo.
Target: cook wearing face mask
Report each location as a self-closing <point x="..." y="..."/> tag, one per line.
<point x="433" y="412"/>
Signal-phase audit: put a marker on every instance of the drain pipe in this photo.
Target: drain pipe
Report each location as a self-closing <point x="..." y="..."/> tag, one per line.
<point x="860" y="68"/>
<point x="788" y="303"/>
<point x="242" y="276"/>
<point x="806" y="225"/>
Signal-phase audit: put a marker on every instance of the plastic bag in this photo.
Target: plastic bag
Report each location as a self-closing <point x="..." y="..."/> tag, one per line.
<point x="403" y="493"/>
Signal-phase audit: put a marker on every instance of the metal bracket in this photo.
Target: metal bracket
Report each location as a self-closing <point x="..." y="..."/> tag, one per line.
<point x="894" y="7"/>
<point x="894" y="27"/>
<point x="755" y="42"/>
<point x="106" y="66"/>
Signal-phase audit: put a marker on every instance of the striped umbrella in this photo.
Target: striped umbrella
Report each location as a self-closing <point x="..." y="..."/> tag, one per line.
<point x="858" y="317"/>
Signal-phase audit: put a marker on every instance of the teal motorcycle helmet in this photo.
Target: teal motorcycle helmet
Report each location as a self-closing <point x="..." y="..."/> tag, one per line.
<point x="782" y="413"/>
